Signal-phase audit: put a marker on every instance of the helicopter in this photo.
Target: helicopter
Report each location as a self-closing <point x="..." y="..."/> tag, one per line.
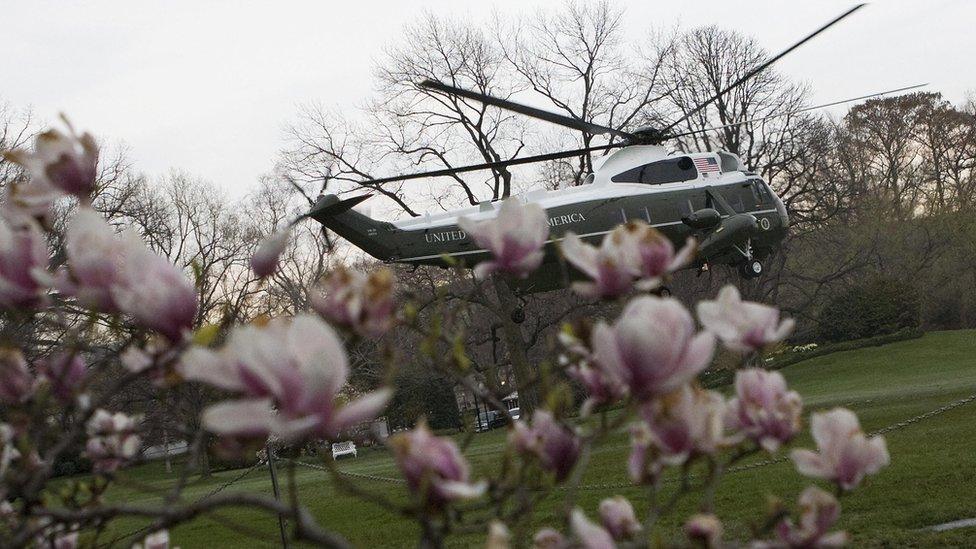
<point x="734" y="215"/>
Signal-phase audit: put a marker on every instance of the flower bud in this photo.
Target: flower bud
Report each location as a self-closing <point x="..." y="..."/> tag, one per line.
<point x="16" y="381"/>
<point x="705" y="529"/>
<point x="264" y="262"/>
<point x="617" y="516"/>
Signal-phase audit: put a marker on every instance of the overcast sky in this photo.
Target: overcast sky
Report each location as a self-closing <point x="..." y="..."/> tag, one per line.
<point x="208" y="86"/>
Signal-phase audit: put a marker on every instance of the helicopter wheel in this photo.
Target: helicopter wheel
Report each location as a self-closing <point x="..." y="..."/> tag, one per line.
<point x="518" y="315"/>
<point x="663" y="291"/>
<point x="751" y="269"/>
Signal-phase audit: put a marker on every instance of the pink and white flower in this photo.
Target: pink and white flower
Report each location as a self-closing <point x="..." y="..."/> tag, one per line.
<point x="589" y="534"/>
<point x="556" y="446"/>
<point x="264" y="262"/>
<point x="156" y="540"/>
<point x="548" y="538"/>
<point x="819" y="511"/>
<point x="514" y="238"/>
<point x="656" y="257"/>
<point x="434" y="467"/>
<point x="618" y="518"/>
<point x="67" y="162"/>
<point x="652" y="348"/>
<point x="95" y="256"/>
<point x="743" y="326"/>
<point x="763" y="409"/>
<point x="610" y="267"/>
<point x="631" y="252"/>
<point x="362" y="303"/>
<point x="499" y="536"/>
<point x="295" y="367"/>
<point x="845" y="454"/>
<point x="16" y="381"/>
<point x="154" y="292"/>
<point x="112" y="440"/>
<point x="686" y="423"/>
<point x="23" y="263"/>
<point x="64" y="372"/>
<point x="704" y="529"/>
<point x="8" y="451"/>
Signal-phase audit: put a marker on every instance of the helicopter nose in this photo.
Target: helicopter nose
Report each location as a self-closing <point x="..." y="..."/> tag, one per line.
<point x="784" y="218"/>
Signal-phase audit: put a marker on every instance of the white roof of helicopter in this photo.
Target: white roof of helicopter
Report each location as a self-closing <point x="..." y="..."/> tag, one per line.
<point x="601" y="187"/>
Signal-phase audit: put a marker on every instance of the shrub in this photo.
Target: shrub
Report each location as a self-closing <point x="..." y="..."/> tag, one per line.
<point x="878" y="307"/>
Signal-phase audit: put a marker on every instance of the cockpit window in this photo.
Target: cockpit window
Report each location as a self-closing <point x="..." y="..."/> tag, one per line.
<point x="671" y="170"/>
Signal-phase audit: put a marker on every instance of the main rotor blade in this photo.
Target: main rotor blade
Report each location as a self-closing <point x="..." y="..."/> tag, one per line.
<point x="490" y="165"/>
<point x="548" y="116"/>
<point x="762" y="67"/>
<point x="798" y="111"/>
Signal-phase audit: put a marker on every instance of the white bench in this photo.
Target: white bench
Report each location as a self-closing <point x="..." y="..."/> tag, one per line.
<point x="344" y="449"/>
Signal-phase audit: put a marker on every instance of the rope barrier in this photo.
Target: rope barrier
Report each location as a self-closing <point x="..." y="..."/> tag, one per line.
<point x="211" y="494"/>
<point x="735" y="469"/>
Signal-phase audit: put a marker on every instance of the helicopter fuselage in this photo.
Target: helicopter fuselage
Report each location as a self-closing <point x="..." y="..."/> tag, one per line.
<point x="733" y="213"/>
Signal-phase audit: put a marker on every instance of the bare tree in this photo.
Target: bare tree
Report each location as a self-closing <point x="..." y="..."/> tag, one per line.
<point x="577" y="60"/>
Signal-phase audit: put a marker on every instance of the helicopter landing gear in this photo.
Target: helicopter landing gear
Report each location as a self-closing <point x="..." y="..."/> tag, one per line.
<point x="752" y="268"/>
<point x="663" y="291"/>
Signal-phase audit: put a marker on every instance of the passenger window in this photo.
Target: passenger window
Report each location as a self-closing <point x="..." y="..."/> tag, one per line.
<point x="672" y="170"/>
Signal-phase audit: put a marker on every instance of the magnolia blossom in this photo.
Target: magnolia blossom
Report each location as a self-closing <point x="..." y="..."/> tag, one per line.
<point x="763" y="409"/>
<point x="632" y="251"/>
<point x="514" y="238"/>
<point x="8" y="453"/>
<point x="618" y="517"/>
<point x="23" y="260"/>
<point x="156" y="540"/>
<point x="743" y="326"/>
<point x="845" y="455"/>
<point x="818" y="512"/>
<point x="656" y="257"/>
<point x="652" y="348"/>
<point x="295" y="366"/>
<point x="681" y="425"/>
<point x="16" y="381"/>
<point x="264" y="262"/>
<point x="589" y="534"/>
<point x="704" y="528"/>
<point x="610" y="267"/>
<point x="360" y="302"/>
<point x="434" y="467"/>
<point x="555" y="445"/>
<point x="547" y="538"/>
<point x="29" y="202"/>
<point x="601" y="387"/>
<point x="66" y="162"/>
<point x="499" y="537"/>
<point x="65" y="541"/>
<point x="95" y="256"/>
<point x="64" y="372"/>
<point x="112" y="440"/>
<point x="155" y="292"/>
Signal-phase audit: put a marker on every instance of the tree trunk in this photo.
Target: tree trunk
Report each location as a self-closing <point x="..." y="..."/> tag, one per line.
<point x="526" y="378"/>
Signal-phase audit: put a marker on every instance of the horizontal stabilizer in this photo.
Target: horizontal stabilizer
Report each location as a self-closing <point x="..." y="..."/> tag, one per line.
<point x="331" y="205"/>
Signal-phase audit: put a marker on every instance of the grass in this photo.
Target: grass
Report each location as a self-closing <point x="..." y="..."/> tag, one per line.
<point x="931" y="478"/>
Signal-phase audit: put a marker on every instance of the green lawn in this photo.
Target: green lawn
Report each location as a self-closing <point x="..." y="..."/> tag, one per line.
<point x="931" y="479"/>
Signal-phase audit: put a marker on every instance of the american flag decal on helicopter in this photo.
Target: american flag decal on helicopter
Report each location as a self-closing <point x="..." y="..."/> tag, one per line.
<point x="706" y="164"/>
